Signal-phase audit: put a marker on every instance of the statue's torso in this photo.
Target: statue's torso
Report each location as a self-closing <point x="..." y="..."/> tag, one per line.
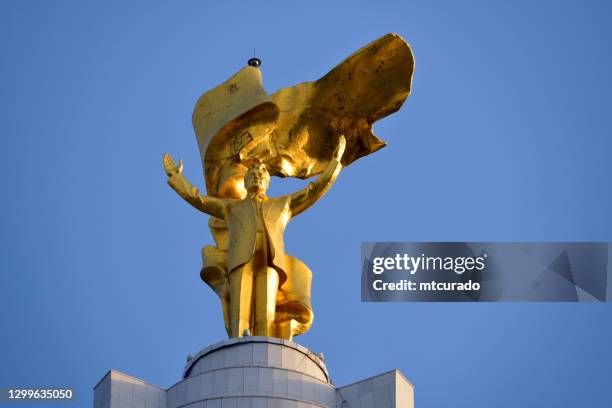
<point x="245" y="222"/>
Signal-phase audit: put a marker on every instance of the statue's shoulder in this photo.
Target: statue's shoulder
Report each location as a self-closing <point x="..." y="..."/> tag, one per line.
<point x="236" y="203"/>
<point x="281" y="201"/>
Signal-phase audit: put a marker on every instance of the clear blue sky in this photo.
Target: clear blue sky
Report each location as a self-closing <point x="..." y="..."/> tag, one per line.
<point x="506" y="137"/>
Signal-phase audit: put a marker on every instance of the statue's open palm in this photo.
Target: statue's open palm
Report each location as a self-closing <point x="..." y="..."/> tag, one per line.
<point x="171" y="167"/>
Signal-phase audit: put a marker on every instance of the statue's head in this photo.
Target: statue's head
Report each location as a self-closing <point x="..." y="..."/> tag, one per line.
<point x="257" y="178"/>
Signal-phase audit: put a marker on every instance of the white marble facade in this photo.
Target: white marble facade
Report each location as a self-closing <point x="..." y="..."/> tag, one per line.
<point x="255" y="372"/>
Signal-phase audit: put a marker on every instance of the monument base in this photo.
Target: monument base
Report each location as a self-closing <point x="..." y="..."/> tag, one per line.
<point x="255" y="372"/>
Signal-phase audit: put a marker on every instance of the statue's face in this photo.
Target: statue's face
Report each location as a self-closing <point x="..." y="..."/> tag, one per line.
<point x="257" y="178"/>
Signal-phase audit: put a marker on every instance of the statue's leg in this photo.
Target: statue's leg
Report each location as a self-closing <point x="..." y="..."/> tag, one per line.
<point x="241" y="296"/>
<point x="266" y="288"/>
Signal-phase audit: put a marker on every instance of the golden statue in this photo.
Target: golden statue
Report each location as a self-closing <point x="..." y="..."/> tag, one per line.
<point x="245" y="136"/>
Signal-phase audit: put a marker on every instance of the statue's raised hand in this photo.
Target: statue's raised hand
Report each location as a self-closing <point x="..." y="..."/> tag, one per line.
<point x="171" y="167"/>
<point x="340" y="148"/>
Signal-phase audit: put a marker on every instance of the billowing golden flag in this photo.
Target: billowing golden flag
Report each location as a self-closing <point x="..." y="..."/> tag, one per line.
<point x="295" y="130"/>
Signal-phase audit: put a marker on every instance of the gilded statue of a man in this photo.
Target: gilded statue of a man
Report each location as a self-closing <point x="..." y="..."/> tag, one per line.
<point x="245" y="136"/>
<point x="256" y="262"/>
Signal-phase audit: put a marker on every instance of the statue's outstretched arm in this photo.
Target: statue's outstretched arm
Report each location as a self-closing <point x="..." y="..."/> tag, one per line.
<point x="176" y="180"/>
<point x="303" y="199"/>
